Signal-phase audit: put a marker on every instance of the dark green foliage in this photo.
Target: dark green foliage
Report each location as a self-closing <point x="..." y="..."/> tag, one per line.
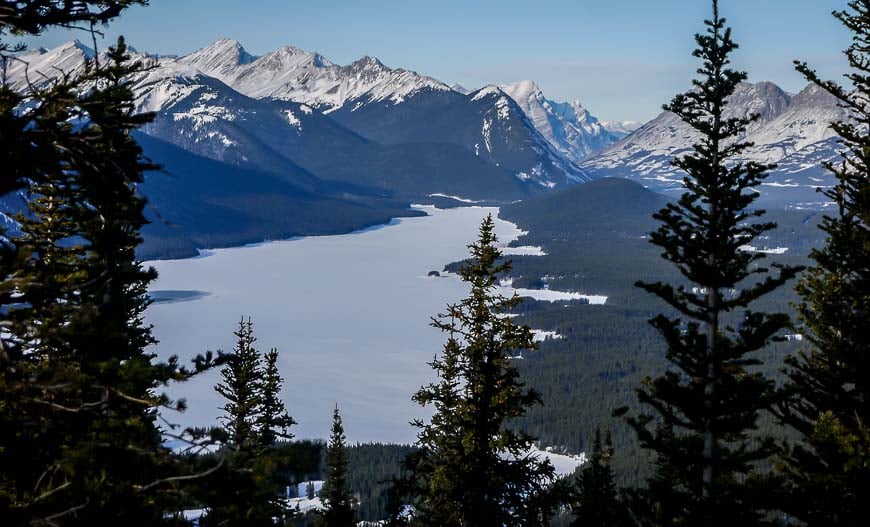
<point x="274" y="421"/>
<point x="474" y="470"/>
<point x="288" y="463"/>
<point x="829" y="383"/>
<point x="372" y="468"/>
<point x="709" y="404"/>
<point x="31" y="17"/>
<point x="338" y="503"/>
<point x="597" y="503"/>
<point x="79" y="440"/>
<point x="240" y="387"/>
<point x="248" y="486"/>
<point x="606" y="350"/>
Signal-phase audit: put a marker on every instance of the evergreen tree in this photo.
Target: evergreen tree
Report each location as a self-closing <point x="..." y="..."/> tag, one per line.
<point x="246" y="491"/>
<point x="79" y="442"/>
<point x="240" y="387"/>
<point x="707" y="406"/>
<point x="274" y="421"/>
<point x="473" y="469"/>
<point x="598" y="502"/>
<point x="830" y="382"/>
<point x="309" y="490"/>
<point x="338" y="503"/>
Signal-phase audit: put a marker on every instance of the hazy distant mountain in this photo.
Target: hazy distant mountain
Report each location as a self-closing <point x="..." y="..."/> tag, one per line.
<point x="792" y="131"/>
<point x="461" y="89"/>
<point x="569" y="127"/>
<point x="621" y="128"/>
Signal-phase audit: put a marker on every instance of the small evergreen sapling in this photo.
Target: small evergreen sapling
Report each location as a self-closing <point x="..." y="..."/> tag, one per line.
<point x="598" y="503"/>
<point x="338" y="502"/>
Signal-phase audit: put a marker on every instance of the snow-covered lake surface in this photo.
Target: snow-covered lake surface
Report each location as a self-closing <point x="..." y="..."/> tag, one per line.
<point x="350" y="315"/>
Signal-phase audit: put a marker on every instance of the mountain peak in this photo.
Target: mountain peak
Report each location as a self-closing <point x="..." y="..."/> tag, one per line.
<point x="289" y="57"/>
<point x="486" y="91"/>
<point x="522" y="89"/>
<point x="222" y="54"/>
<point x="77" y="44"/>
<point x="763" y="98"/>
<point x="367" y="63"/>
<point x="815" y="95"/>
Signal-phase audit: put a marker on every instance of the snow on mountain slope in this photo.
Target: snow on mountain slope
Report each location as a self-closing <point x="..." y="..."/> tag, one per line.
<point x="290" y="73"/>
<point x="486" y="123"/>
<point x="792" y="130"/>
<point x="41" y="65"/>
<point x="508" y="134"/>
<point x="569" y="127"/>
<point x="621" y="128"/>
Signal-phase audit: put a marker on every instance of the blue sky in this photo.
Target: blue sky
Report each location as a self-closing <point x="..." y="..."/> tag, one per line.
<point x="621" y="58"/>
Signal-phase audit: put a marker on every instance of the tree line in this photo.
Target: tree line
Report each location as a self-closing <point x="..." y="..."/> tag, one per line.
<point x="84" y="437"/>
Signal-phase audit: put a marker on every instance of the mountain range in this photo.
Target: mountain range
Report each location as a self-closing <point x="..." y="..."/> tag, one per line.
<point x="368" y="138"/>
<point x="791" y="131"/>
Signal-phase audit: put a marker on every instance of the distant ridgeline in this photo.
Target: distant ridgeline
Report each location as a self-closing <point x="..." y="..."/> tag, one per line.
<point x="251" y="153"/>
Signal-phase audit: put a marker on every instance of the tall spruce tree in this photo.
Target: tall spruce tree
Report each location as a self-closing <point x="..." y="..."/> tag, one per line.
<point x="473" y="469"/>
<point x="79" y="442"/>
<point x="597" y="503"/>
<point x="707" y="405"/>
<point x="240" y="387"/>
<point x="243" y="492"/>
<point x="273" y="422"/>
<point x="338" y="502"/>
<point x="829" y="383"/>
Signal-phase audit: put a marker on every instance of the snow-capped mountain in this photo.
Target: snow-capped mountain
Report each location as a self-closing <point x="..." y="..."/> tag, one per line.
<point x="792" y="131"/>
<point x="205" y="116"/>
<point x="392" y="106"/>
<point x="202" y="114"/>
<point x="568" y="126"/>
<point x="486" y="122"/>
<point x="290" y="73"/>
<point x="621" y="128"/>
<point x="41" y="65"/>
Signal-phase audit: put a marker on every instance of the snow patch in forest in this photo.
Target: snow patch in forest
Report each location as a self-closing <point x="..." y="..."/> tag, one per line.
<point x="565" y="464"/>
<point x="764" y="250"/>
<point x="541" y="335"/>
<point x="524" y="250"/>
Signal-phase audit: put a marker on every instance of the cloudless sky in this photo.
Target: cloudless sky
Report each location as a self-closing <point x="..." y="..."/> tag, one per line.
<point x="621" y="58"/>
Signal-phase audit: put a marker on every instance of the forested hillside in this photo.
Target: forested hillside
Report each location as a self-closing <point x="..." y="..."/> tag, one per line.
<point x="595" y="239"/>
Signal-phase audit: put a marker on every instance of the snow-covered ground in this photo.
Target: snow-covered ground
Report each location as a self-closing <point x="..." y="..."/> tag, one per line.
<point x="565" y="464"/>
<point x="350" y="315"/>
<point x="524" y="250"/>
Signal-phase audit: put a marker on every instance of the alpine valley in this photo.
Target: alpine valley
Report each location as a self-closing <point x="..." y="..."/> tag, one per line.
<point x="290" y="143"/>
<point x="371" y="181"/>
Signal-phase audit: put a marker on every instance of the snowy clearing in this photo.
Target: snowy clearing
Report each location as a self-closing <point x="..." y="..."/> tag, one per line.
<point x="525" y="250"/>
<point x="764" y="250"/>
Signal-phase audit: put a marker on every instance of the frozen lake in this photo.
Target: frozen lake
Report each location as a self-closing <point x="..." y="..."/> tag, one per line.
<point x="350" y="315"/>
